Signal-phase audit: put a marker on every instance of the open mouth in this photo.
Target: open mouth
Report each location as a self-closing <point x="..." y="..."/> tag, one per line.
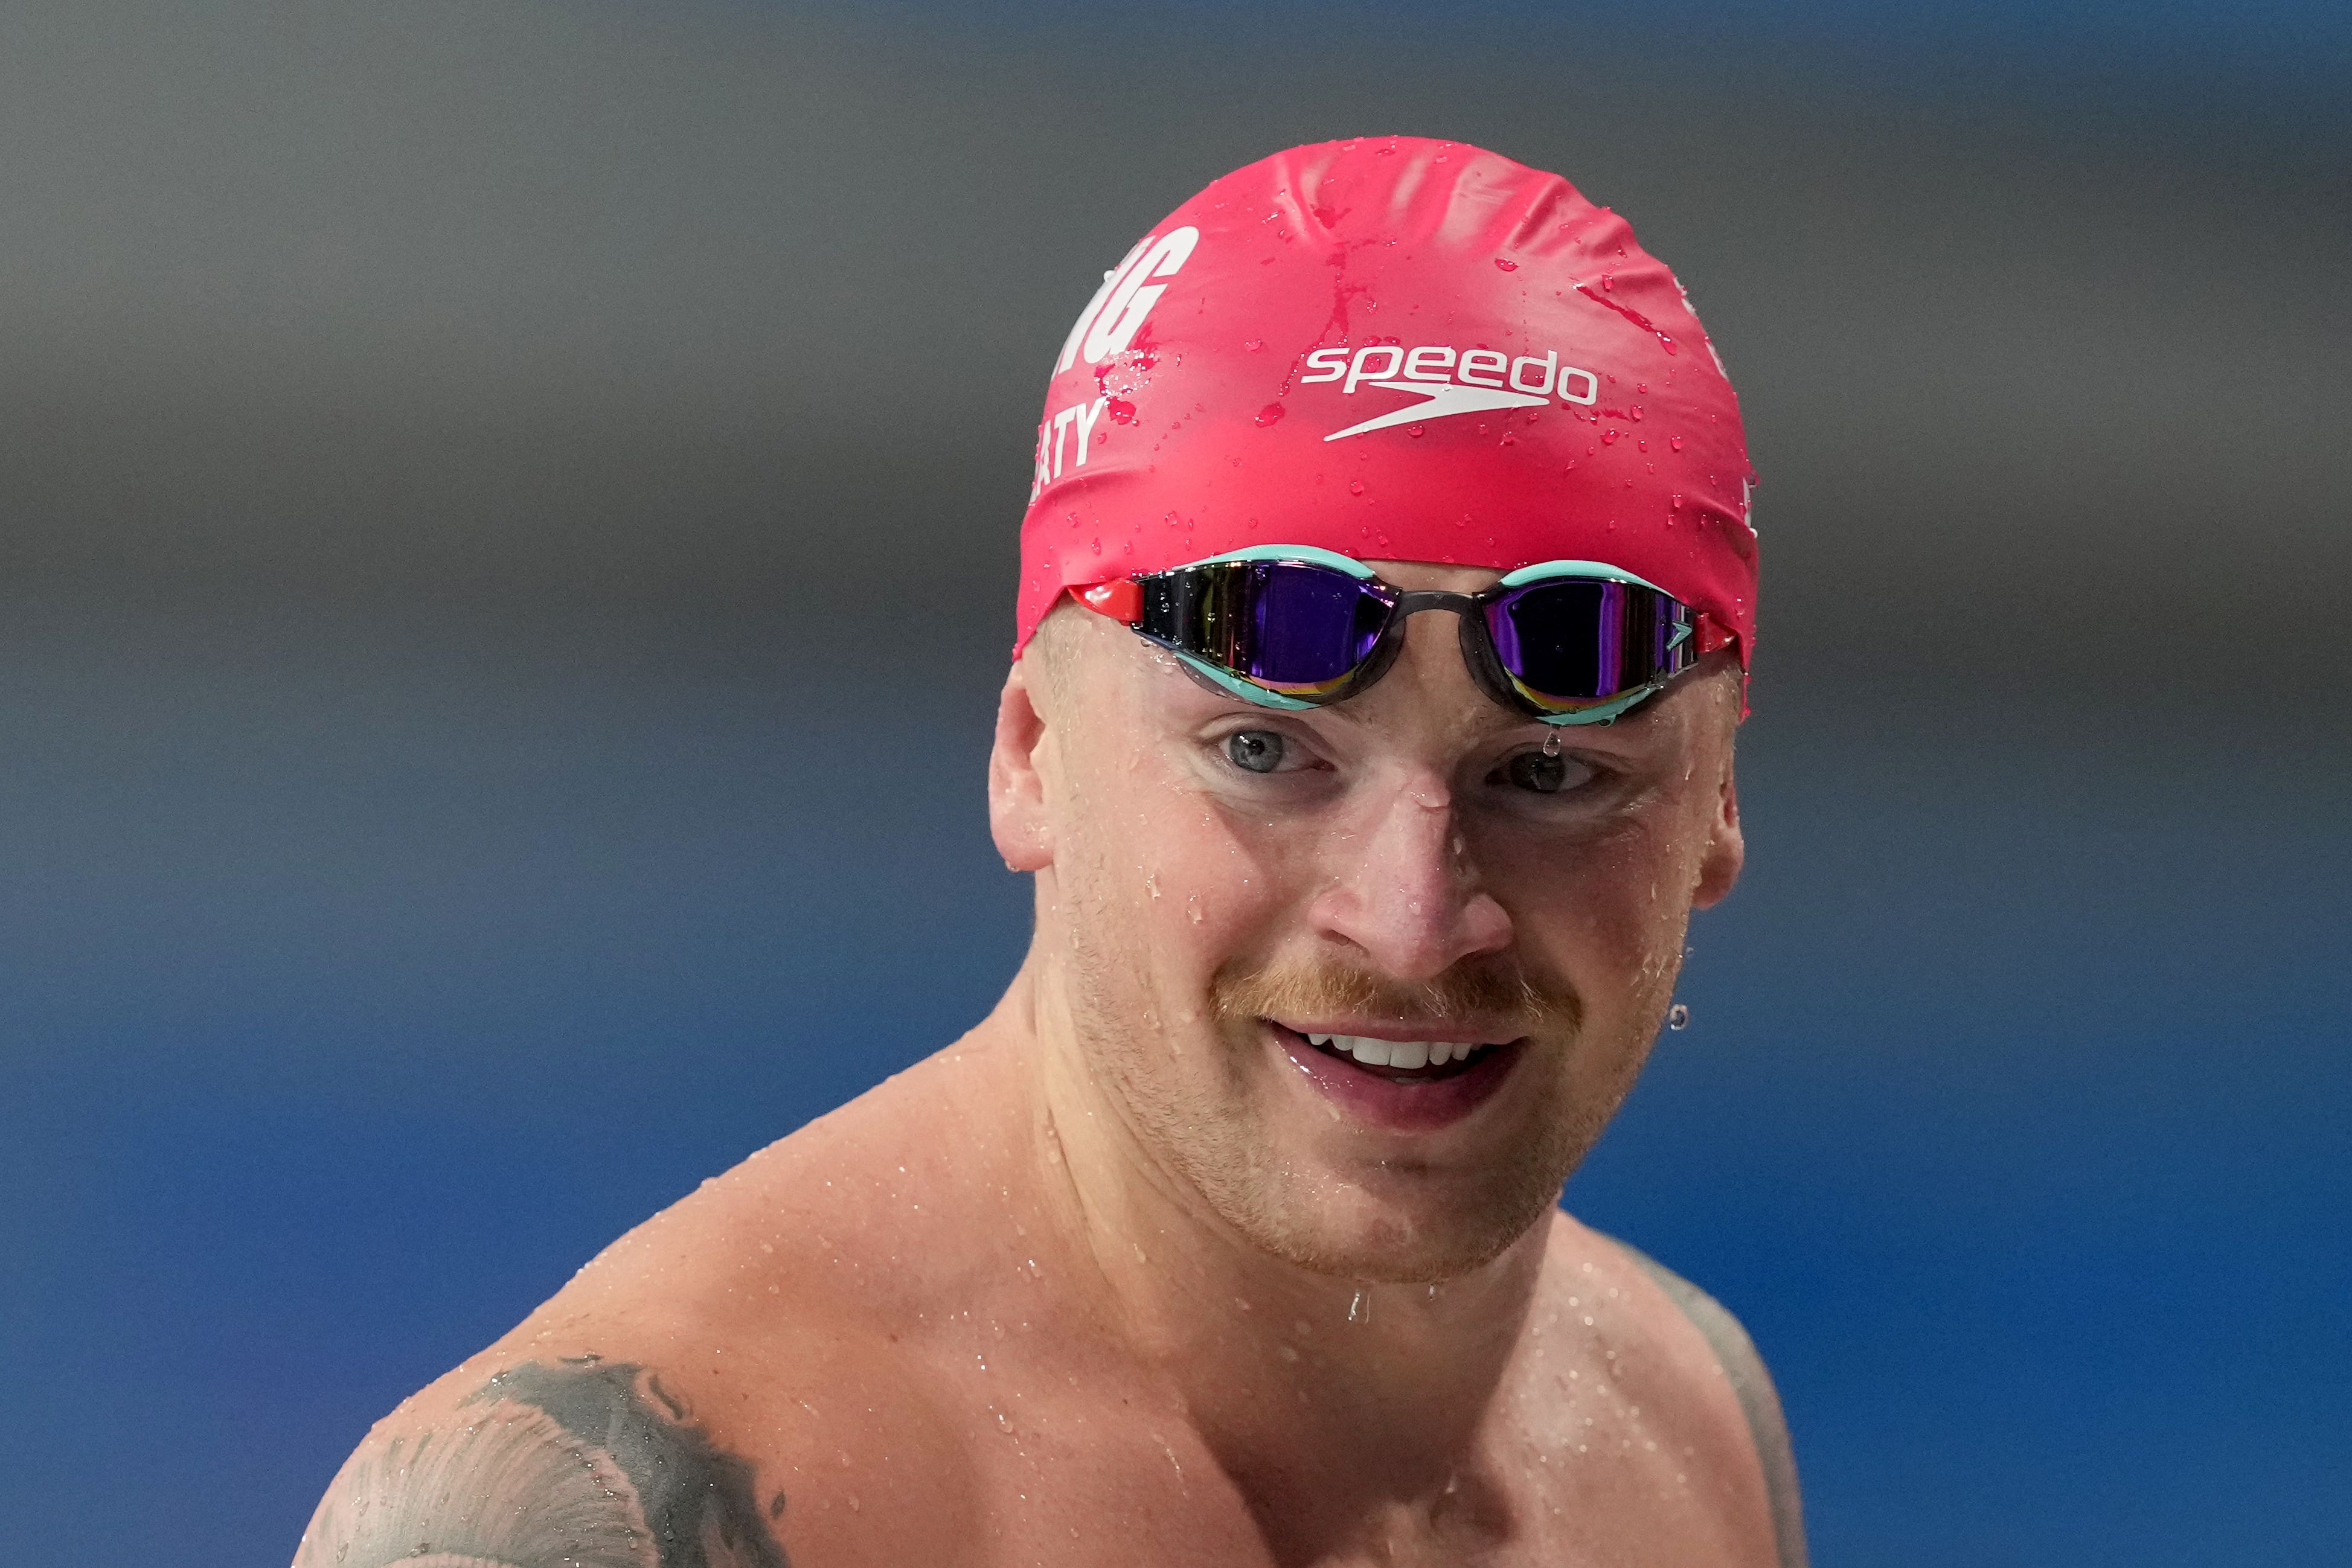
<point x="1405" y="1085"/>
<point x="1401" y="1061"/>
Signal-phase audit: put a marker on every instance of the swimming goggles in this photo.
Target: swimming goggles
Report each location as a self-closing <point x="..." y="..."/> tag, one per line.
<point x="1291" y="626"/>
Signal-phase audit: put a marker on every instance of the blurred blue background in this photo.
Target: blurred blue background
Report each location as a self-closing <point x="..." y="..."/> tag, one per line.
<point x="452" y="453"/>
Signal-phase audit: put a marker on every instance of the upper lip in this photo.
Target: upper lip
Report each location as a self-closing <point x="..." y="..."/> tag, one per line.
<point x="1388" y="1029"/>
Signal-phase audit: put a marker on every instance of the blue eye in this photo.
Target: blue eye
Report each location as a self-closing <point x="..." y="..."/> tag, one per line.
<point x="1255" y="750"/>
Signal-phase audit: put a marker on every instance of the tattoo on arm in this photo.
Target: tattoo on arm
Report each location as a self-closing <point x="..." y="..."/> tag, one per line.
<point x="584" y="1464"/>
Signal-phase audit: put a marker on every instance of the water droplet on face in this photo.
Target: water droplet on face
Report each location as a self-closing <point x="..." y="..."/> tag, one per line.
<point x="1678" y="1016"/>
<point x="1359" y="1311"/>
<point x="1551" y="744"/>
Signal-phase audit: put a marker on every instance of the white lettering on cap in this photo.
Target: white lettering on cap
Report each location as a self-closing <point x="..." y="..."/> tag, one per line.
<point x="1133" y="294"/>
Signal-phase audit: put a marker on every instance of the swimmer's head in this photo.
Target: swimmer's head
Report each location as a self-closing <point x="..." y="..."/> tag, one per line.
<point x="1421" y="364"/>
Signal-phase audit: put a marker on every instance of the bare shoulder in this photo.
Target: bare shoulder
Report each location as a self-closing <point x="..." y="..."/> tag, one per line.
<point x="718" y="1389"/>
<point x="657" y="1434"/>
<point x="1700" y="1355"/>
<point x="572" y="1461"/>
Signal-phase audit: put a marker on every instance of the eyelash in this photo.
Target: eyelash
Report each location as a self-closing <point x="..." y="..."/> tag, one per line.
<point x="1595" y="772"/>
<point x="1293" y="748"/>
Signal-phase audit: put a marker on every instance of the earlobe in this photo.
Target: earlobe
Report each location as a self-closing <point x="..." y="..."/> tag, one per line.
<point x="1016" y="793"/>
<point x="1725" y="851"/>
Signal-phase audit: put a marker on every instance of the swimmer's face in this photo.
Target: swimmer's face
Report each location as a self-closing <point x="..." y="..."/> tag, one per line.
<point x="1220" y="885"/>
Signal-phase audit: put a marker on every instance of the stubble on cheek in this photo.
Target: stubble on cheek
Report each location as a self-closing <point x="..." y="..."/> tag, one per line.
<point x="1141" y="1021"/>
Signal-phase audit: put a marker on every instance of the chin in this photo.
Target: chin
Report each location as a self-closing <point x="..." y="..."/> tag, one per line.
<point x="1397" y="1228"/>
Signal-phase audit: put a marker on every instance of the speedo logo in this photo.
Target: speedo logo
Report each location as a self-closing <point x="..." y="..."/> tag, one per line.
<point x="1449" y="381"/>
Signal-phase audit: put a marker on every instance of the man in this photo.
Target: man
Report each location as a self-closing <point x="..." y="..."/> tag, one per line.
<point x="1387" y="593"/>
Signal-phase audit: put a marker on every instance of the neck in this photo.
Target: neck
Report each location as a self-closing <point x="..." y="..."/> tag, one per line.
<point x="1281" y="1369"/>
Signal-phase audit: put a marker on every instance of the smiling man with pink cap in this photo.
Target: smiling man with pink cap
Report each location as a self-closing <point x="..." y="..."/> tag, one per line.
<point x="1387" y="595"/>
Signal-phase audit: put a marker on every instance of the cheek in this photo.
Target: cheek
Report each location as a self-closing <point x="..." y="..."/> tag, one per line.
<point x="1188" y="885"/>
<point x="1605" y="912"/>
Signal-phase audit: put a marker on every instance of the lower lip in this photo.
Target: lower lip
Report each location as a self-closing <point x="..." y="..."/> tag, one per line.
<point x="1401" y="1107"/>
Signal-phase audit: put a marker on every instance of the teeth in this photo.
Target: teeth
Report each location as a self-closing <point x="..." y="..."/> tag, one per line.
<point x="1407" y="1055"/>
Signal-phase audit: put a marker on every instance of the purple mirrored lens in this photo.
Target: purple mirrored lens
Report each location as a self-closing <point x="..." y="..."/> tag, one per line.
<point x="1309" y="625"/>
<point x="1288" y="625"/>
<point x="1578" y="640"/>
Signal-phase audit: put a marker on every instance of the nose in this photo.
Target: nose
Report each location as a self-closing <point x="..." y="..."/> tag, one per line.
<point x="1405" y="893"/>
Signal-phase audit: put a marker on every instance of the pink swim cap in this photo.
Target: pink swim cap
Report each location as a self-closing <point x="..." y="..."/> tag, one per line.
<point x="1400" y="349"/>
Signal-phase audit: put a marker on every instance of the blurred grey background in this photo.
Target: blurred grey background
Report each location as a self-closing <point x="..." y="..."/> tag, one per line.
<point x="507" y="541"/>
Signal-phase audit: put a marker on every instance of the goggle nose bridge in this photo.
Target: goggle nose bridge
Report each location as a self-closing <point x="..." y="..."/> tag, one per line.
<point x="1413" y="600"/>
<point x="1476" y="637"/>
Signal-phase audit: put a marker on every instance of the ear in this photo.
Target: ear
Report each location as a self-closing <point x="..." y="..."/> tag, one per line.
<point x="1017" y="791"/>
<point x="1725" y="851"/>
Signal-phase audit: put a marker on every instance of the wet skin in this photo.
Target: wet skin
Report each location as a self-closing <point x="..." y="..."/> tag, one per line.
<point x="1135" y="1272"/>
